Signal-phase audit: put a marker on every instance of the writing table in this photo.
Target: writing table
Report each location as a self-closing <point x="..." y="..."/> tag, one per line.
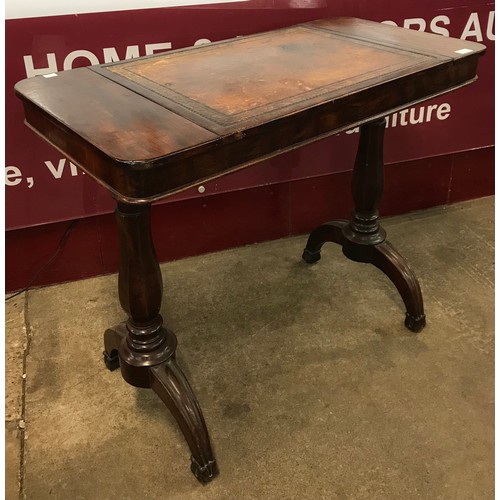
<point x="149" y="127"/>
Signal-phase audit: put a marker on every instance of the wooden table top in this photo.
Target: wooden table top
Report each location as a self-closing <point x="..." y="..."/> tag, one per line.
<point x="148" y="127"/>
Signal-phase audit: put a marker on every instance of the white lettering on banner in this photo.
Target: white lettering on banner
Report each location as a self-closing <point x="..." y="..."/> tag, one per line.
<point x="472" y="28"/>
<point x="417" y="21"/>
<point x="151" y="48"/>
<point x="489" y="30"/>
<point x="58" y="171"/>
<point x="420" y="24"/>
<point x="430" y="109"/>
<point x="73" y="168"/>
<point x="202" y="41"/>
<point x="13" y="176"/>
<point x="409" y="116"/>
<point x="420" y="119"/>
<point x="30" y="68"/>
<point x="70" y="58"/>
<point x="444" y="111"/>
<point x="439" y="30"/>
<point x="110" y="54"/>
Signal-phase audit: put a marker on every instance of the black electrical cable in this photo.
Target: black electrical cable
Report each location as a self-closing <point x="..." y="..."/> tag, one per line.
<point x="60" y="246"/>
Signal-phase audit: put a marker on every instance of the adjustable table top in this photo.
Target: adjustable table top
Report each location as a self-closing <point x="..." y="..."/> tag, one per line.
<point x="148" y="127"/>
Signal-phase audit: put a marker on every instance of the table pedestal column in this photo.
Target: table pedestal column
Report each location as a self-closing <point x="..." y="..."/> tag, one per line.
<point x="142" y="347"/>
<point x="362" y="238"/>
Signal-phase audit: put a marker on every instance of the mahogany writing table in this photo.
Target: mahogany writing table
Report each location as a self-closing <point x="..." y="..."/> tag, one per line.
<point x="149" y="127"/>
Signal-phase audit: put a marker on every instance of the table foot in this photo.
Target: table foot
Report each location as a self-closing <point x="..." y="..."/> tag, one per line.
<point x="394" y="266"/>
<point x="146" y="358"/>
<point x="330" y="231"/>
<point x="171" y="385"/>
<point x="382" y="255"/>
<point x="415" y="324"/>
<point x="113" y="337"/>
<point x="206" y="473"/>
<point x="112" y="362"/>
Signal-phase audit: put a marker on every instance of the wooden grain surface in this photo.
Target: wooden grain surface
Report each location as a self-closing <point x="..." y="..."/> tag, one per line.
<point x="112" y="117"/>
<point x="148" y="127"/>
<point x="263" y="75"/>
<point x="393" y="36"/>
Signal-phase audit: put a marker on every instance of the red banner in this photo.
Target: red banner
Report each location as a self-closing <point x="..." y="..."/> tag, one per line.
<point x="42" y="186"/>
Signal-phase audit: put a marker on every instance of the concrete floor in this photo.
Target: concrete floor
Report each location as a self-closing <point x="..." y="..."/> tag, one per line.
<point x="310" y="384"/>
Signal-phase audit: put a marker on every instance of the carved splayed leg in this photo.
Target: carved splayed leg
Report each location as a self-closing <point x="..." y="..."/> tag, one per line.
<point x="171" y="385"/>
<point x="142" y="347"/>
<point x="395" y="267"/>
<point x="362" y="238"/>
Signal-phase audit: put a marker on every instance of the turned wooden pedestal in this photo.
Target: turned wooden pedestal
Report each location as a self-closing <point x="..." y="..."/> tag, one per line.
<point x="362" y="238"/>
<point x="152" y="126"/>
<point x="142" y="347"/>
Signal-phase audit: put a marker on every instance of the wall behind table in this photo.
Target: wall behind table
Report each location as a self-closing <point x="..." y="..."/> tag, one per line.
<point x="436" y="153"/>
